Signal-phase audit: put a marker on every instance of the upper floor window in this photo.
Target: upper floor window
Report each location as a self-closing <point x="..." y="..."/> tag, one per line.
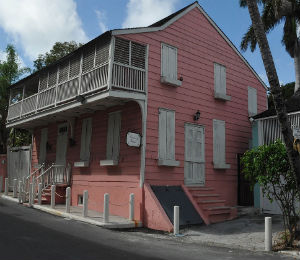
<point x="252" y="101"/>
<point x="220" y="82"/>
<point x="166" y="142"/>
<point x="169" y="65"/>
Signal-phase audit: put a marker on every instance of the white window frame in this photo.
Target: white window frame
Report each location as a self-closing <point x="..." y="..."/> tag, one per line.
<point x="166" y="138"/>
<point x="252" y="101"/>
<point x="166" y="79"/>
<point x="85" y="143"/>
<point x="220" y="82"/>
<point x="219" y="153"/>
<point x="113" y="139"/>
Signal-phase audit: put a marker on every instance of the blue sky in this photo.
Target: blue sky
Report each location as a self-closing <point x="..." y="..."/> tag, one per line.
<point x="33" y="26"/>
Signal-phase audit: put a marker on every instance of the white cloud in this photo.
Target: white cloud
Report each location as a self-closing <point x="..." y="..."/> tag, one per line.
<point x="146" y="12"/>
<point x="37" y="24"/>
<point x="2" y="56"/>
<point x="101" y="17"/>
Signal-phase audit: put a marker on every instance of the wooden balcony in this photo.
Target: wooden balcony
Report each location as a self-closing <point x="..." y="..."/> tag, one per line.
<point x="103" y="65"/>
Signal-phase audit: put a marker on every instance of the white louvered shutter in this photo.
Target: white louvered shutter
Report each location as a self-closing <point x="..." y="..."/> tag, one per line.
<point x="252" y="101"/>
<point x="219" y="142"/>
<point x="169" y="61"/>
<point x="220" y="79"/>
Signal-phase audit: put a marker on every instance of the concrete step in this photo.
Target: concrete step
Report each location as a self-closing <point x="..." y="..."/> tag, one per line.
<point x="211" y="203"/>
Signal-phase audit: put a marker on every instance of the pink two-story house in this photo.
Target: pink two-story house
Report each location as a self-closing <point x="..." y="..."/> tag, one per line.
<point x="133" y="109"/>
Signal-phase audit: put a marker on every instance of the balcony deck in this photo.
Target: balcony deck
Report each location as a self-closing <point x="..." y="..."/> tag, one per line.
<point x="104" y="67"/>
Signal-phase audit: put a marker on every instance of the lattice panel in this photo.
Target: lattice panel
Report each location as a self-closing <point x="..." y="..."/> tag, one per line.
<point x="95" y="79"/>
<point x="44" y="81"/>
<point x="102" y="53"/>
<point x="88" y="59"/>
<point x="63" y="72"/>
<point x="121" y="51"/>
<point x="52" y="77"/>
<point x="67" y="90"/>
<point x="138" y="55"/>
<point x="74" y="66"/>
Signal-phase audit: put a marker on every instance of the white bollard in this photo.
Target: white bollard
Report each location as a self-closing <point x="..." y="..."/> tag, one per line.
<point x="52" y="196"/>
<point x="40" y="194"/>
<point x="106" y="208"/>
<point x="176" y="220"/>
<point x="268" y="234"/>
<point x="15" y="188"/>
<point x="20" y="191"/>
<point x="131" y="206"/>
<point x="6" y="186"/>
<point x="30" y="195"/>
<point x="85" y="203"/>
<point x="1" y="184"/>
<point x="68" y="199"/>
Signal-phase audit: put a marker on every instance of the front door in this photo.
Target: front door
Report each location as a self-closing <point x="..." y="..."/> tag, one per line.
<point x="194" y="162"/>
<point x="61" y="145"/>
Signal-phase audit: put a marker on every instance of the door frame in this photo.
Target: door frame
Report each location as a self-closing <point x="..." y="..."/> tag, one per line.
<point x="204" y="162"/>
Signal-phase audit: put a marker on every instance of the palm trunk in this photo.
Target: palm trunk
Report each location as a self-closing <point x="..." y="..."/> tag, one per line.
<point x="274" y="87"/>
<point x="297" y="68"/>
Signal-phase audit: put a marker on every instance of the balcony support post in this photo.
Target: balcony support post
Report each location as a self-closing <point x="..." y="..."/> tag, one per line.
<point x="110" y="63"/>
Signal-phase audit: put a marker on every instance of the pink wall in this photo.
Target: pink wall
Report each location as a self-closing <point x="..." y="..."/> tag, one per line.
<point x="199" y="46"/>
<point x="119" y="180"/>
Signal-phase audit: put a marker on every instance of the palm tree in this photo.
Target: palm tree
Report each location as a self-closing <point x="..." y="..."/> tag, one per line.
<point x="260" y="35"/>
<point x="275" y="12"/>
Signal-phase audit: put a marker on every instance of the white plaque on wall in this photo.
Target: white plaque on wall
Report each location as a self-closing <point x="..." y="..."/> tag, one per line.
<point x="133" y="139"/>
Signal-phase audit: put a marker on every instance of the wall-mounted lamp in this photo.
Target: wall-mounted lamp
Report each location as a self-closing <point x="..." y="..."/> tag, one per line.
<point x="197" y="115"/>
<point x="80" y="98"/>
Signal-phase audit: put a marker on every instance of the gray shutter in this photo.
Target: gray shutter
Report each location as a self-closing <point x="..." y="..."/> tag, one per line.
<point x="162" y="134"/>
<point x="198" y="145"/>
<point x="169" y="61"/>
<point x="219" y="142"/>
<point x="252" y="101"/>
<point x="43" y="145"/>
<point x="110" y="135"/>
<point x="116" y="136"/>
<point x="220" y="79"/>
<point x="170" y="132"/>
<point x="86" y="133"/>
<point x="113" y="136"/>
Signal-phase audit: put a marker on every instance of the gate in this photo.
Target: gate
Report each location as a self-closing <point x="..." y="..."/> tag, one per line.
<point x="18" y="163"/>
<point x="245" y="194"/>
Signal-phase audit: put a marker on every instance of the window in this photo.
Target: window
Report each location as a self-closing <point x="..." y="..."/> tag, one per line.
<point x="166" y="149"/>
<point x="169" y="65"/>
<point x="113" y="139"/>
<point x="252" y="101"/>
<point x="219" y="159"/>
<point x="43" y="145"/>
<point x="86" y="134"/>
<point x="220" y="82"/>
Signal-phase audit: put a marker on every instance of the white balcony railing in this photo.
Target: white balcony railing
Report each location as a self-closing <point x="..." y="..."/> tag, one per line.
<point x="84" y="74"/>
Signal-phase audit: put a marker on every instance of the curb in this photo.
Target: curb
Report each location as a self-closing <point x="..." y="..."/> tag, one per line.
<point x="111" y="225"/>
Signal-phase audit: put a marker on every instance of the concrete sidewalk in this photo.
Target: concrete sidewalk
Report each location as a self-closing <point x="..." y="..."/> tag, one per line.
<point x="247" y="232"/>
<point x="94" y="217"/>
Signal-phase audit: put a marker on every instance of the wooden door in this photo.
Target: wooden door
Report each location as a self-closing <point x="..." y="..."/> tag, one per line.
<point x="194" y="162"/>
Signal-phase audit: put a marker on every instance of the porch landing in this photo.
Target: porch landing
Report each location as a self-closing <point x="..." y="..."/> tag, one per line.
<point x="94" y="217"/>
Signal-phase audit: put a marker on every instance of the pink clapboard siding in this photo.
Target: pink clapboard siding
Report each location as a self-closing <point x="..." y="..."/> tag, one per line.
<point x="119" y="180"/>
<point x="199" y="46"/>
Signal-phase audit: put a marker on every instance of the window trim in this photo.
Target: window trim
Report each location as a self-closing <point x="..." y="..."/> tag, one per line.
<point x="165" y="79"/>
<point x="220" y="96"/>
<point x="164" y="160"/>
<point x="220" y="165"/>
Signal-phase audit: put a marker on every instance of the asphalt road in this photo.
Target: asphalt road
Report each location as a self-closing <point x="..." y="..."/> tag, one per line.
<point x="28" y="234"/>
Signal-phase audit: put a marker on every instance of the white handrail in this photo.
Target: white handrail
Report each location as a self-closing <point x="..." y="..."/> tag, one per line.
<point x="30" y="175"/>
